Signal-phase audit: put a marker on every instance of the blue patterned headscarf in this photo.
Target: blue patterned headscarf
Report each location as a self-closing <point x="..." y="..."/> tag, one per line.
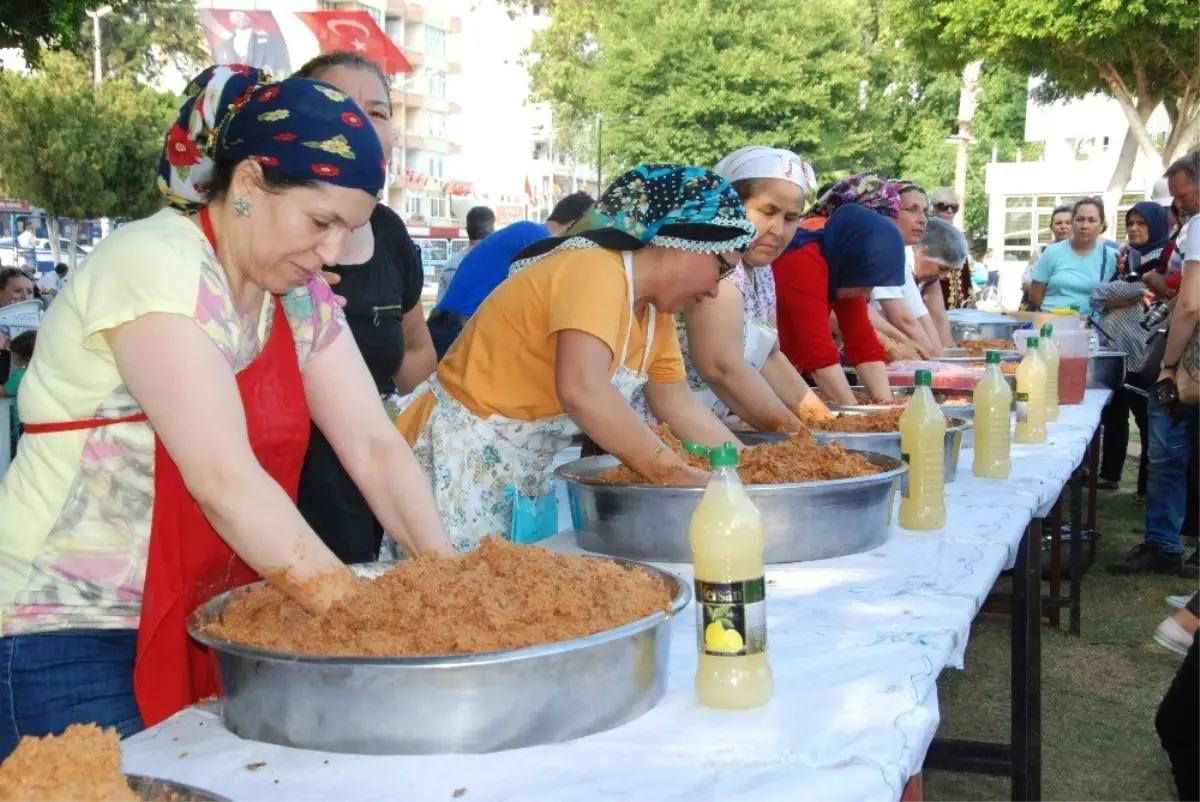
<point x="299" y="128"/>
<point x="668" y="205"/>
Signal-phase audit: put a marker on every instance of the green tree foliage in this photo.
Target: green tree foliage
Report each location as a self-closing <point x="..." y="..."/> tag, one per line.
<point x="690" y="81"/>
<point x="140" y="37"/>
<point x="34" y="24"/>
<point x="78" y="151"/>
<point x="1141" y="52"/>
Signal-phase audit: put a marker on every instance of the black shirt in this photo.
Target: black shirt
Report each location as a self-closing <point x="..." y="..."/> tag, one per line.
<point x="379" y="292"/>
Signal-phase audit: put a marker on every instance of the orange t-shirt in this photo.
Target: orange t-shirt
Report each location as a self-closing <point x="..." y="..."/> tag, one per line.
<point x="503" y="362"/>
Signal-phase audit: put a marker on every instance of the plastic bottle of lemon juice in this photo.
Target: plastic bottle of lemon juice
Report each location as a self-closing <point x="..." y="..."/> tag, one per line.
<point x="1031" y="396"/>
<point x="726" y="536"/>
<point x="993" y="422"/>
<point x="1048" y="351"/>
<point x="923" y="447"/>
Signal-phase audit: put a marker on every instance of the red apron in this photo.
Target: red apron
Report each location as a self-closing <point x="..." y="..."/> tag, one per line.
<point x="188" y="562"/>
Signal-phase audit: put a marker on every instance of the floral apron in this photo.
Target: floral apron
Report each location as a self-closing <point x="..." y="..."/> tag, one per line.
<point x="473" y="461"/>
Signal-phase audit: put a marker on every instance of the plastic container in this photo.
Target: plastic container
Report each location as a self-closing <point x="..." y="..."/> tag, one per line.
<point x="1031" y="397"/>
<point x="922" y="447"/>
<point x="1048" y="351"/>
<point x="993" y="424"/>
<point x="1073" y="348"/>
<point x="726" y="535"/>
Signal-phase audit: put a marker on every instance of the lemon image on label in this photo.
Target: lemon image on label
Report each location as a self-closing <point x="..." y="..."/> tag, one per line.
<point x="719" y="639"/>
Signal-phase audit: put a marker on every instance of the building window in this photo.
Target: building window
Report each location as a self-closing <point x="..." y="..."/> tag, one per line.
<point x="435" y="167"/>
<point x="541" y="150"/>
<point x="436" y="82"/>
<point x="439" y="208"/>
<point x="414" y="205"/>
<point x="395" y="31"/>
<point x="1027" y="221"/>
<point x="375" y="13"/>
<point x="435" y="124"/>
<point x="435" y="41"/>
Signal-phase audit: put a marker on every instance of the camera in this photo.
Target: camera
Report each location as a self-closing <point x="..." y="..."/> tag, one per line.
<point x="1156" y="315"/>
<point x="1166" y="393"/>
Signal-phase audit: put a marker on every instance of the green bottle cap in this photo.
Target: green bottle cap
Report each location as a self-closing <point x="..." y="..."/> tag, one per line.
<point x="923" y="378"/>
<point x="695" y="448"/>
<point x="1032" y="343"/>
<point x="724" y="457"/>
<point x="1047" y="329"/>
<point x="993" y="357"/>
<point x="1076" y="308"/>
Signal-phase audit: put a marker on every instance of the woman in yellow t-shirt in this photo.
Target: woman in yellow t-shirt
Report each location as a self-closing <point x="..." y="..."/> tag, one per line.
<point x="167" y="411"/>
<point x="560" y="347"/>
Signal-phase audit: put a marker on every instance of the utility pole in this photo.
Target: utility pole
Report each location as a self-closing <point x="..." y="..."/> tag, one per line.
<point x="96" y="15"/>
<point x="599" y="156"/>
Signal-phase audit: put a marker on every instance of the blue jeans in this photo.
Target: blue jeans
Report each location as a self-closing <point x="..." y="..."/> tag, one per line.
<point x="52" y="679"/>
<point x="1171" y="446"/>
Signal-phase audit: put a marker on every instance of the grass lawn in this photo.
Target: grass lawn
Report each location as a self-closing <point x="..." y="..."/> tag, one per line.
<point x="1100" y="692"/>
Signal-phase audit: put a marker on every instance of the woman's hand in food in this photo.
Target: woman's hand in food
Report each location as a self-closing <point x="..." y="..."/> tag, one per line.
<point x="318" y="592"/>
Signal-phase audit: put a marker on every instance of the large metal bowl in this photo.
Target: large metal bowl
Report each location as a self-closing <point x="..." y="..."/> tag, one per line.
<point x="1106" y="370"/>
<point x="802" y="521"/>
<point x="153" y="789"/>
<point x="960" y="356"/>
<point x="454" y="704"/>
<point x="887" y="443"/>
<point x="964" y="411"/>
<point x="969" y="325"/>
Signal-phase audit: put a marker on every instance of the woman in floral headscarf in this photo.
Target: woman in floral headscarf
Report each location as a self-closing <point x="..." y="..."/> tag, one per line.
<point x="561" y="346"/>
<point x="168" y="409"/>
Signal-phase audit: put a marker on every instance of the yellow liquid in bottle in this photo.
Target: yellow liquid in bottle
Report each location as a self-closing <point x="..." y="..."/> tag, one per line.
<point x="923" y="444"/>
<point x="726" y="536"/>
<point x="993" y="430"/>
<point x="1049" y="354"/>
<point x="1031" y="399"/>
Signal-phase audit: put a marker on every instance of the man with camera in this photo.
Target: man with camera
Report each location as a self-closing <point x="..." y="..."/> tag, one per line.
<point x="1173" y="412"/>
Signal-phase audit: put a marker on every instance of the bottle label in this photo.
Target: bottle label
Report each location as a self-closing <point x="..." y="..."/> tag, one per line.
<point x="732" y="617"/>
<point x="1022" y="407"/>
<point x="907" y="460"/>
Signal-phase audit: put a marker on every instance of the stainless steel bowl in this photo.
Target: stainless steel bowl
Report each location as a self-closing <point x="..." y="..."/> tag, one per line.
<point x="1106" y="370"/>
<point x="964" y="411"/>
<point x="803" y="521"/>
<point x="960" y="356"/>
<point x="454" y="704"/>
<point x="984" y="328"/>
<point x="153" y="789"/>
<point x="887" y="443"/>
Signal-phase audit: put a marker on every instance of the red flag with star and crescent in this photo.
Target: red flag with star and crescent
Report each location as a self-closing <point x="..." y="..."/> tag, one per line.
<point x="355" y="32"/>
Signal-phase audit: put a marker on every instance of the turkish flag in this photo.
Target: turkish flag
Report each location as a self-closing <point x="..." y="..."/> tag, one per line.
<point x="355" y="32"/>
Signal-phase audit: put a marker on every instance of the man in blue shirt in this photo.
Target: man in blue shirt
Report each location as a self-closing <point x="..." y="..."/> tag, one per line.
<point x="486" y="265"/>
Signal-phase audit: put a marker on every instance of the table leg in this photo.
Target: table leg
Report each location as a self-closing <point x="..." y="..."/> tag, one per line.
<point x="1093" y="478"/>
<point x="1053" y="614"/>
<point x="1076" y="550"/>
<point x="1027" y="667"/>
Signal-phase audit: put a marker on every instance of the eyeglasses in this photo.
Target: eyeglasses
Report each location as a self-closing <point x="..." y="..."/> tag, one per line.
<point x="946" y="207"/>
<point x="727" y="267"/>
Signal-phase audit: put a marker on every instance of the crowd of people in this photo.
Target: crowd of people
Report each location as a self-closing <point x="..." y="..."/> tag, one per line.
<point x="205" y="403"/>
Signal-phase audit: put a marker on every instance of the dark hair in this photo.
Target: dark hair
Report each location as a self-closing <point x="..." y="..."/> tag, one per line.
<point x="571" y="208"/>
<point x="9" y="273"/>
<point x="273" y="181"/>
<point x="1061" y="210"/>
<point x="61" y="268"/>
<point x="21" y="346"/>
<point x="1097" y="202"/>
<point x="908" y="186"/>
<point x="481" y="221"/>
<point x="344" y="58"/>
<point x="1189" y="165"/>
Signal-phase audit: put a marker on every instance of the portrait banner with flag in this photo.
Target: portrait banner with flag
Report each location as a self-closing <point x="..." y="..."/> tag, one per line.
<point x="355" y="32"/>
<point x="236" y="36"/>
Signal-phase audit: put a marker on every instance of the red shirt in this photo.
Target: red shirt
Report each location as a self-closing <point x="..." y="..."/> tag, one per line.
<point x="802" y="294"/>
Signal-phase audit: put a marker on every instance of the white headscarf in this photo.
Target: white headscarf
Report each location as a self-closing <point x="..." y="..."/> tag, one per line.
<point x="758" y="161"/>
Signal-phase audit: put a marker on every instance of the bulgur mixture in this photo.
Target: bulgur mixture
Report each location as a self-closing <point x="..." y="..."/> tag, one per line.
<point x="794" y="459"/>
<point x="500" y="596"/>
<point x="83" y="763"/>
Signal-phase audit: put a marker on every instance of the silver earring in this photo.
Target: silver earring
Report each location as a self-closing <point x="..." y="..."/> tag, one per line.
<point x="241" y="206"/>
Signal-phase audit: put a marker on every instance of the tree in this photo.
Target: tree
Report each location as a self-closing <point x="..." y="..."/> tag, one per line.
<point x="691" y="80"/>
<point x="32" y="24"/>
<point x="140" y="37"/>
<point x="1141" y="53"/>
<point x="78" y="151"/>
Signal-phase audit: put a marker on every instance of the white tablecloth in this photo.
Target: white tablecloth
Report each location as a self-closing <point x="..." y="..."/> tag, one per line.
<point x="856" y="644"/>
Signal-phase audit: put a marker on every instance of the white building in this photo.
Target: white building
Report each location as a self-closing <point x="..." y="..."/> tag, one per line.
<point x="1083" y="141"/>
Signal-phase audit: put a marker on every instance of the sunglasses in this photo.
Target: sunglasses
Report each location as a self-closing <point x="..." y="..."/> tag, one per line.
<point x="727" y="267"/>
<point x="946" y="207"/>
